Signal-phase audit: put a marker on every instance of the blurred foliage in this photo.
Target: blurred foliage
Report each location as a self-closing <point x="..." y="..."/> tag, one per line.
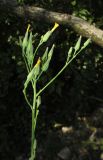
<point x="77" y="92"/>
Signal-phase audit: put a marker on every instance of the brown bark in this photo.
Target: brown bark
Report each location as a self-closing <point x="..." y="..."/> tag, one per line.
<point x="39" y="14"/>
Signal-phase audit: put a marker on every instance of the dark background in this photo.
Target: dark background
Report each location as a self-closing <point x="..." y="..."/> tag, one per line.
<point x="74" y="101"/>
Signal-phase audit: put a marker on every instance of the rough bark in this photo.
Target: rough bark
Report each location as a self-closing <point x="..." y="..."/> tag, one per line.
<point x="39" y="14"/>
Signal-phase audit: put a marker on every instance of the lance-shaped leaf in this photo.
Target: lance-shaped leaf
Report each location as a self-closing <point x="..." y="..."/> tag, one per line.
<point x="51" y="52"/>
<point x="46" y="36"/>
<point x="86" y="43"/>
<point x="30" y="46"/>
<point x="30" y="77"/>
<point x="33" y="74"/>
<point x="45" y="55"/>
<point x="29" y="51"/>
<point x="37" y="68"/>
<point x="37" y="71"/>
<point x="25" y="40"/>
<point x="46" y="64"/>
<point x="69" y="54"/>
<point x="38" y="101"/>
<point x="77" y="46"/>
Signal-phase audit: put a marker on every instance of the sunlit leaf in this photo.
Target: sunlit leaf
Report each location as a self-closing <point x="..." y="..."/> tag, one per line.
<point x="86" y="43"/>
<point x="45" y="55"/>
<point x="25" y="41"/>
<point x="29" y="78"/>
<point x="46" y="64"/>
<point x="77" y="46"/>
<point x="29" y="51"/>
<point x="38" y="101"/>
<point x="69" y="54"/>
<point x="45" y="37"/>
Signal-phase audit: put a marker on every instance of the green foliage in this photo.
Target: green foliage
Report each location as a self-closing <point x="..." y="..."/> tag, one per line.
<point x="34" y="72"/>
<point x="47" y="59"/>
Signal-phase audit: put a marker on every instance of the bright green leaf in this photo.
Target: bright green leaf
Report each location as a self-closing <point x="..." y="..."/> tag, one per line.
<point x="86" y="43"/>
<point x="69" y="54"/>
<point x="46" y="64"/>
<point x="25" y="41"/>
<point x="45" y="55"/>
<point x="77" y="46"/>
<point x="29" y="51"/>
<point x="38" y="101"/>
<point x="45" y="37"/>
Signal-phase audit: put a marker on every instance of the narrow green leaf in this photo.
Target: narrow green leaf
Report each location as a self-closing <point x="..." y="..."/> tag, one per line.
<point x="45" y="37"/>
<point x="51" y="52"/>
<point x="77" y="46"/>
<point x="46" y="64"/>
<point x="38" y="101"/>
<point x="29" y="78"/>
<point x="29" y="51"/>
<point x="69" y="54"/>
<point x="86" y="43"/>
<point x="45" y="55"/>
<point x="30" y="46"/>
<point x="37" y="71"/>
<point x="32" y="75"/>
<point x="25" y="41"/>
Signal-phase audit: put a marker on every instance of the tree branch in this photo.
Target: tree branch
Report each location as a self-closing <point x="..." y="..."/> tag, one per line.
<point x="39" y="14"/>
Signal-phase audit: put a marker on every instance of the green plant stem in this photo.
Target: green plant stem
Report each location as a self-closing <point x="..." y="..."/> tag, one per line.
<point x="32" y="134"/>
<point x="33" y="122"/>
<point x="27" y="100"/>
<point x="28" y="70"/>
<point x="37" y="49"/>
<point x="26" y="64"/>
<point x="51" y="81"/>
<point x="39" y="76"/>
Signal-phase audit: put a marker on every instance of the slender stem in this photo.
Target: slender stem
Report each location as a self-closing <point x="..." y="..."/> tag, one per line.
<point x="39" y="76"/>
<point x="32" y="133"/>
<point x="27" y="100"/>
<point x="37" y="49"/>
<point x="26" y="64"/>
<point x="33" y="122"/>
<point x="51" y="81"/>
<point x="34" y="98"/>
